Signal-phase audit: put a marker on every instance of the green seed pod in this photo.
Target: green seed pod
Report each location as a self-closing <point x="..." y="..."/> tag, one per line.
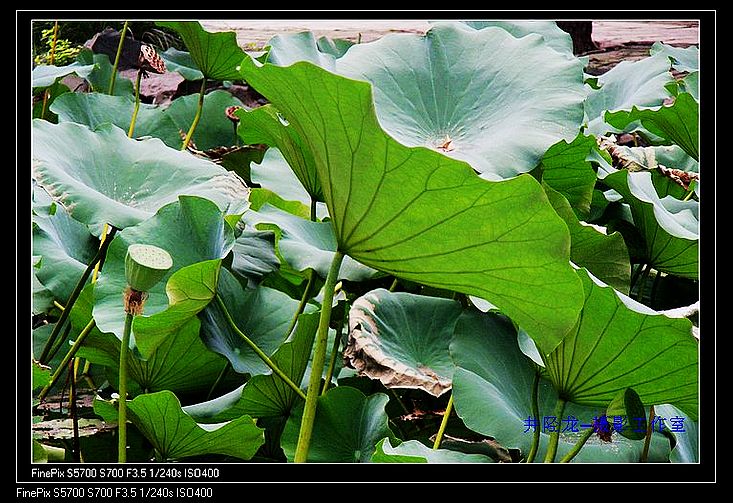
<point x="145" y="266"/>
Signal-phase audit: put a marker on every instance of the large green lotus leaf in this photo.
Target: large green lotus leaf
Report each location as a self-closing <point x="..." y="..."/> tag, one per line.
<point x="180" y="363"/>
<point x="678" y="123"/>
<point x="175" y="435"/>
<point x="181" y="62"/>
<point x="307" y="245"/>
<point x="262" y="314"/>
<point x="638" y="83"/>
<point x="670" y="226"/>
<point x="46" y="75"/>
<point x="620" y="343"/>
<point x="64" y="245"/>
<point x="191" y="230"/>
<point x="103" y="176"/>
<point x="254" y="255"/>
<point x="347" y="428"/>
<point x="290" y="48"/>
<point x="265" y="125"/>
<point x="492" y="389"/>
<point x="566" y="168"/>
<point x="402" y="339"/>
<point x="686" y="449"/>
<point x="684" y="59"/>
<point x="414" y="451"/>
<point x="216" y="55"/>
<point x="94" y="109"/>
<point x="100" y="76"/>
<point x="548" y="30"/>
<point x="606" y="256"/>
<point x="422" y="216"/>
<point x="214" y="128"/>
<point x="265" y="395"/>
<point x="482" y="96"/>
<point x="189" y="290"/>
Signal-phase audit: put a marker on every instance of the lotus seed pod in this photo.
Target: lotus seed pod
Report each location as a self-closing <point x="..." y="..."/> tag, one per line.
<point x="145" y="266"/>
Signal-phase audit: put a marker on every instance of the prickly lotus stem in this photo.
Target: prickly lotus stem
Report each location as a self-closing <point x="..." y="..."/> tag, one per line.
<point x="145" y="266"/>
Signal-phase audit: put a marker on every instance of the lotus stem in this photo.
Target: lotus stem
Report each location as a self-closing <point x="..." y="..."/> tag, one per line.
<point x="642" y="283"/>
<point x="301" y="305"/>
<point x="137" y="104"/>
<point x="578" y="445"/>
<point x="59" y="342"/>
<point x="690" y="193"/>
<point x="535" y="413"/>
<point x="74" y="348"/>
<point x="75" y="450"/>
<point x="394" y="285"/>
<point x="555" y="435"/>
<point x="218" y="380"/>
<point x="122" y="411"/>
<point x="332" y="360"/>
<point x="74" y="296"/>
<point x="282" y="375"/>
<point x="116" y="64"/>
<point x="197" y="117"/>
<point x="648" y="439"/>
<point x="145" y="267"/>
<point x="52" y="59"/>
<point x="314" y="203"/>
<point x="319" y="358"/>
<point x="443" y="423"/>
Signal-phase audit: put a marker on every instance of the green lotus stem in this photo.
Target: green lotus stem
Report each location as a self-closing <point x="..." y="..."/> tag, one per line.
<point x="52" y="59"/>
<point x="535" y="413"/>
<point x="314" y="216"/>
<point x="555" y="435"/>
<point x="275" y="369"/>
<point x="642" y="282"/>
<point x="578" y="445"/>
<point x="59" y="342"/>
<point x="122" y="411"/>
<point x="319" y="358"/>
<point x="219" y="378"/>
<point x="691" y="191"/>
<point x="197" y="117"/>
<point x="443" y="423"/>
<point x="137" y="104"/>
<point x="75" y="295"/>
<point x="394" y="284"/>
<point x="105" y="230"/>
<point x="75" y="450"/>
<point x="301" y="305"/>
<point x="332" y="360"/>
<point x="648" y="439"/>
<point x="113" y="78"/>
<point x="72" y="352"/>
